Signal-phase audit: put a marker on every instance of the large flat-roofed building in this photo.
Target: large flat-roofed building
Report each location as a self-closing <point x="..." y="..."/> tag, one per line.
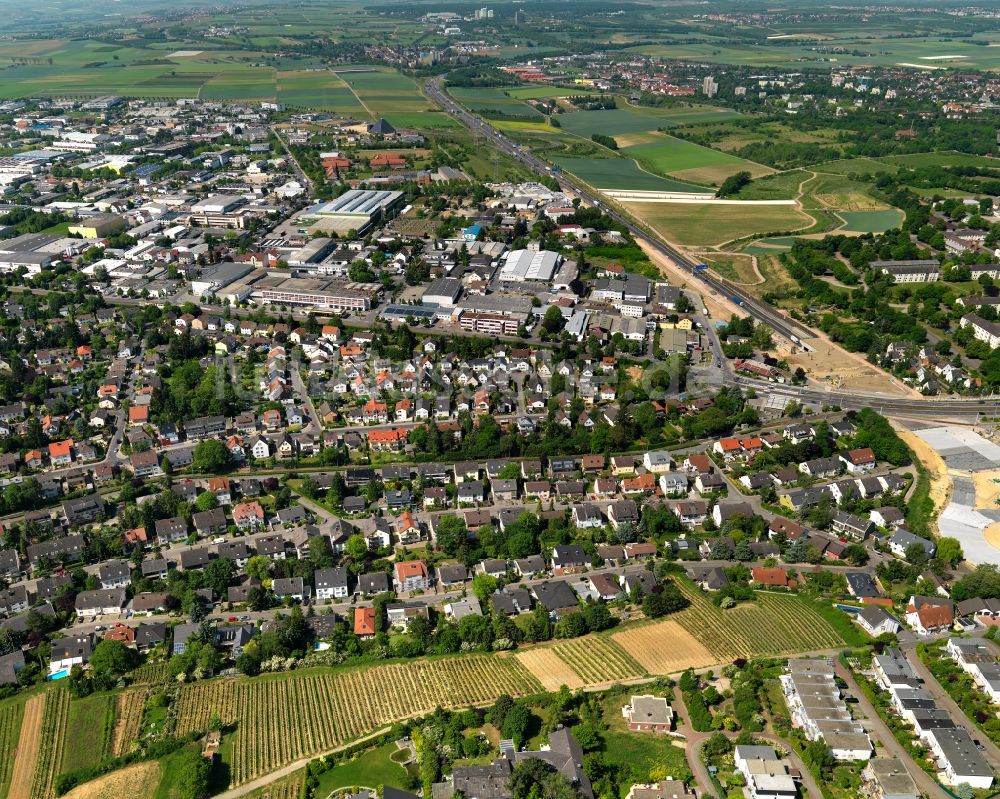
<point x="356" y="210"/>
<point x="97" y="226"/>
<point x="218" y="204"/>
<point x="530" y="266"/>
<point x="443" y="291"/>
<point x="321" y="293"/>
<point x="215" y="277"/>
<point x="491" y="323"/>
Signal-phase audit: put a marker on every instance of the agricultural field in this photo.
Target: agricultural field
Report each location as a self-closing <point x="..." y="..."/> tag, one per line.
<point x="149" y="674"/>
<point x="773" y="625"/>
<point x="139" y="780"/>
<point x="598" y="660"/>
<point x="321" y="89"/>
<point x="52" y="739"/>
<point x="88" y="731"/>
<point x="128" y="720"/>
<point x="776" y="186"/>
<point x="620" y="173"/>
<point x="383" y="91"/>
<point x="484" y="100"/>
<point x="664" y="647"/>
<point x="287" y="788"/>
<point x="10" y="725"/>
<point x="550" y="669"/>
<point x="686" y="161"/>
<point x="282" y="718"/>
<point x="712" y="225"/>
<point x="26" y="755"/>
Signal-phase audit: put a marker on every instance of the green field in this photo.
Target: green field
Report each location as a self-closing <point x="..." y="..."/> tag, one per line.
<point x="871" y="221"/>
<point x="370" y="768"/>
<point x="711" y="225"/>
<point x="608" y="123"/>
<point x="686" y="160"/>
<point x="383" y="91"/>
<point x="88" y="729"/>
<point x="485" y="100"/>
<point x="620" y="173"/>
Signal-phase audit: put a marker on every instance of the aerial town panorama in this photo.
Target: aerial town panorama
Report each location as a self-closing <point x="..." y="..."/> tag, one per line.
<point x="548" y="399"/>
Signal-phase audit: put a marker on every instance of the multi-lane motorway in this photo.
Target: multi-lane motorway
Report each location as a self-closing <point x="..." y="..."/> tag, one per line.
<point x="761" y="311"/>
<point x="930" y="407"/>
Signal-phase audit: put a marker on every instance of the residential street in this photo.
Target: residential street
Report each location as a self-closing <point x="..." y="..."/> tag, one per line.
<point x="990" y="751"/>
<point x="880" y="731"/>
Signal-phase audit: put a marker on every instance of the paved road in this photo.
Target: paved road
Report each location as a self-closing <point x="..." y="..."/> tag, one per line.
<point x="786" y="327"/>
<point x="990" y="750"/>
<point x="880" y="730"/>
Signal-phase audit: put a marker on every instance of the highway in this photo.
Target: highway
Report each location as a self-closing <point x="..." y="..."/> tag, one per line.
<point x="932" y="408"/>
<point x="791" y="330"/>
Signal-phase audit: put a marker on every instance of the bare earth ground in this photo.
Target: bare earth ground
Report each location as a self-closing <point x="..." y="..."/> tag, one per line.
<point x="27" y="748"/>
<point x="940" y="492"/>
<point x="138" y="780"/>
<point x="987" y="491"/>
<point x="833" y="366"/>
<point x="829" y="364"/>
<point x="664" y="647"/>
<point x="679" y="277"/>
<point x="551" y="671"/>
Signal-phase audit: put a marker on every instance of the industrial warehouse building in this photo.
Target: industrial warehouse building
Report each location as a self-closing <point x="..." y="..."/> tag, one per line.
<point x="354" y="210"/>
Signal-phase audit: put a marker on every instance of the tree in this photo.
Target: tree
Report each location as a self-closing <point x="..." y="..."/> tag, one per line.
<point x="668" y="599"/>
<point x="320" y="552"/>
<point x="451" y="533"/>
<point x="113" y="658"/>
<point x="356" y="548"/>
<point x="516" y="724"/>
<point x="191" y="776"/>
<point x="258" y="567"/>
<point x="553" y="321"/>
<point x="916" y="554"/>
<point x="733" y="184"/>
<point x="206" y="501"/>
<point x="949" y="551"/>
<point x="212" y="456"/>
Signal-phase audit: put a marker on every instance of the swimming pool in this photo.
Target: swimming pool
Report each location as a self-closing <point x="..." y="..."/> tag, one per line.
<point x="58" y="675"/>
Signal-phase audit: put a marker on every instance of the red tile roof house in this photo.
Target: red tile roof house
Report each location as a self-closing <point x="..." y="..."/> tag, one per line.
<point x="364" y="622"/>
<point x="728" y="448"/>
<point x="775" y="577"/>
<point x="383" y="440"/>
<point x="61" y="452"/>
<point x="859" y="461"/>
<point x="928" y="615"/>
<point x="249" y="516"/>
<point x="410" y="575"/>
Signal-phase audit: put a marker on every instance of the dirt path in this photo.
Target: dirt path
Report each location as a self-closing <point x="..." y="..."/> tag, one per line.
<point x="753" y="265"/>
<point x="679" y="277"/>
<point x="937" y="470"/>
<point x="26" y="755"/>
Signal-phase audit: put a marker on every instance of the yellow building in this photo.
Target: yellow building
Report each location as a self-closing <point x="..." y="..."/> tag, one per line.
<point x="97" y="227"/>
<point x="680" y="324"/>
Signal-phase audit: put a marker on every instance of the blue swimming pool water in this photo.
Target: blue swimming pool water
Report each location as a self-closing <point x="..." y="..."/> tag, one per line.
<point x="58" y="675"/>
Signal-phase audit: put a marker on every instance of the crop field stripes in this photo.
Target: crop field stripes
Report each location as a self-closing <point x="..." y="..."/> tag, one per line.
<point x="10" y="725"/>
<point x="50" y="744"/>
<point x="282" y="718"/>
<point x="598" y="660"/>
<point x="128" y="720"/>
